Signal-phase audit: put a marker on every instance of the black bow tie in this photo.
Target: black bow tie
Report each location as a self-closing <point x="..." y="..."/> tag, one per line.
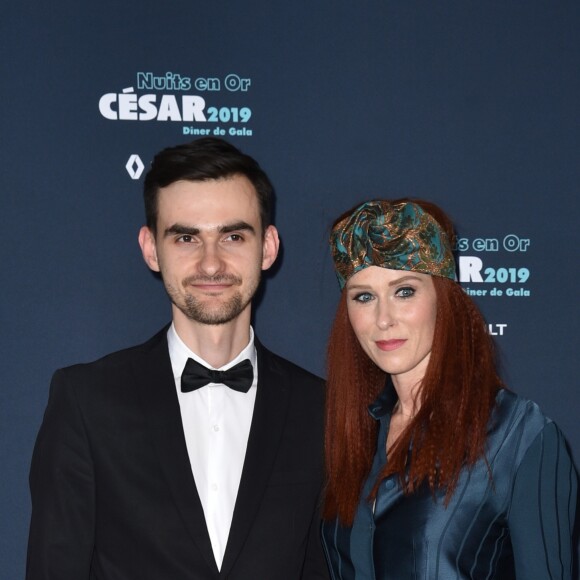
<point x="195" y="375"/>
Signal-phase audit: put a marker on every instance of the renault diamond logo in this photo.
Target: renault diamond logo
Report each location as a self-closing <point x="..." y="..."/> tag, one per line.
<point x="134" y="166"/>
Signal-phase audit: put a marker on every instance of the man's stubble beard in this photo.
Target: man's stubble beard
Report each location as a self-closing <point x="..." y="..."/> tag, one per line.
<point x="198" y="311"/>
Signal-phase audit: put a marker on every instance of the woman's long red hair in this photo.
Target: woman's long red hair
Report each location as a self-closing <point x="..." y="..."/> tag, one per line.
<point x="456" y="398"/>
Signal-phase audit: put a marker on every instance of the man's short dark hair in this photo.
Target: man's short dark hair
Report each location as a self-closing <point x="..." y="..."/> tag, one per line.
<point x="203" y="160"/>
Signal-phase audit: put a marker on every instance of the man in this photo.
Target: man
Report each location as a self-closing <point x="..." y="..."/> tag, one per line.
<point x="196" y="455"/>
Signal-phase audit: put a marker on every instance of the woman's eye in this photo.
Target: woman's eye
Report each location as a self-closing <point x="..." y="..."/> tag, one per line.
<point x="405" y="292"/>
<point x="363" y="297"/>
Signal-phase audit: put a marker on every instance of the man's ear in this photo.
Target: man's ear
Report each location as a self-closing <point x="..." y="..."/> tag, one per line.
<point x="270" y="247"/>
<point x="148" y="248"/>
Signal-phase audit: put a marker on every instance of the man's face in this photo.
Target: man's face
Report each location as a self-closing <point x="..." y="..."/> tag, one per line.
<point x="209" y="247"/>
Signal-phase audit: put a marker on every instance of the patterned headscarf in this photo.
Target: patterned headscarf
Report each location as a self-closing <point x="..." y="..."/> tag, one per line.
<point x="398" y="236"/>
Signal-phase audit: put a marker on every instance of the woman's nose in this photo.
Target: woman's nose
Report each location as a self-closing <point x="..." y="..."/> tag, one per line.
<point x="384" y="316"/>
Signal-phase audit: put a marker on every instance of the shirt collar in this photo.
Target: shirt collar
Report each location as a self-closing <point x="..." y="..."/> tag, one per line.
<point x="179" y="353"/>
<point x="384" y="403"/>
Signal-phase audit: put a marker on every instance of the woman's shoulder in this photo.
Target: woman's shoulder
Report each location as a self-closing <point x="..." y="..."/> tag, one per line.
<point x="516" y="423"/>
<point x="510" y="404"/>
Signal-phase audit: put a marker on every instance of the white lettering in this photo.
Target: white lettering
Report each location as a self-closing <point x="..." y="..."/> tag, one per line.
<point x="128" y="107"/>
<point x="148" y="108"/>
<point x="105" y="107"/>
<point x="168" y="109"/>
<point x="470" y="269"/>
<point x="193" y="107"/>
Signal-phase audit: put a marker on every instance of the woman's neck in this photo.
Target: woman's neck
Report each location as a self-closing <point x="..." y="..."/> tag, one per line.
<point x="408" y="400"/>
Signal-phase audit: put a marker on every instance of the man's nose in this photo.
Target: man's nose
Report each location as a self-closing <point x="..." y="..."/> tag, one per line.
<point x="211" y="262"/>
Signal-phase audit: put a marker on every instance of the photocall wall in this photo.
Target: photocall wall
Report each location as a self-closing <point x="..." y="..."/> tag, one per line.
<point x="473" y="105"/>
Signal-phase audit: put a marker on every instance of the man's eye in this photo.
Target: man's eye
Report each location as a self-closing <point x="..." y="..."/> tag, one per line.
<point x="235" y="238"/>
<point x="363" y="297"/>
<point x="185" y="238"/>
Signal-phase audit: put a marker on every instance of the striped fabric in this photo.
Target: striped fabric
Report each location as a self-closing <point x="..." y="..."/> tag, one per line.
<point x="517" y="526"/>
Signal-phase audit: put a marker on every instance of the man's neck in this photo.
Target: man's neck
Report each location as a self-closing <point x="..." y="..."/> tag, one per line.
<point x="217" y="344"/>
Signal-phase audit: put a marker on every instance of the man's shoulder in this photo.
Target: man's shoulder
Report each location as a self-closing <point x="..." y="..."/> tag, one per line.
<point x="287" y="368"/>
<point x="116" y="361"/>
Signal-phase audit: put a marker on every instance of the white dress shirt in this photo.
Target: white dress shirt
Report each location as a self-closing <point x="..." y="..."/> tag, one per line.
<point x="216" y="421"/>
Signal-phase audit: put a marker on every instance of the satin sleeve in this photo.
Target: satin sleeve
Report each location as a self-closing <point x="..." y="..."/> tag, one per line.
<point x="543" y="508"/>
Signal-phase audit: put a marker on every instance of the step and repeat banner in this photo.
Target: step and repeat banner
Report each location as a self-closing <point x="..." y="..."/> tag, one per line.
<point x="473" y="105"/>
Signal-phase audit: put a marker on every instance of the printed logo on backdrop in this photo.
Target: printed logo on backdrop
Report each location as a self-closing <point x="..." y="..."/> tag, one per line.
<point x="196" y="105"/>
<point x="495" y="268"/>
<point x="199" y="106"/>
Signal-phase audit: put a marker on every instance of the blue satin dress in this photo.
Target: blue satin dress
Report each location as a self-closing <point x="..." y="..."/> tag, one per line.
<point x="517" y="526"/>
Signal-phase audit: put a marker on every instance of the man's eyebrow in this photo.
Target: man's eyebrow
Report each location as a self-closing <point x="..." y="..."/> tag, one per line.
<point x="181" y="229"/>
<point x="236" y="227"/>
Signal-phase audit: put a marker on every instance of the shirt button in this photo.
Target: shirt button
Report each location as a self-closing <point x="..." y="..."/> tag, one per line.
<point x="216" y="428"/>
<point x="389" y="484"/>
<point x="214" y="486"/>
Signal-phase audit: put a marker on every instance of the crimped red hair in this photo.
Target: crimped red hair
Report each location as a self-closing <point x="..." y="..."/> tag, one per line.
<point x="456" y="398"/>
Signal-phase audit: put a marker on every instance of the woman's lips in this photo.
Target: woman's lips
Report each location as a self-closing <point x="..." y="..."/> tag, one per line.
<point x="394" y="344"/>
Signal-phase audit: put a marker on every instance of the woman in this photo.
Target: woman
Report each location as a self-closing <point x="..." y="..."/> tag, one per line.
<point x="442" y="473"/>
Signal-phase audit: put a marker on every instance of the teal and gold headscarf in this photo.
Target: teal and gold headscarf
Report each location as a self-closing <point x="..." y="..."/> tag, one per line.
<point x="398" y="236"/>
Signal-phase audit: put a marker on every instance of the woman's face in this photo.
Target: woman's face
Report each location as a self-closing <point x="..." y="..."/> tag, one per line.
<point x="393" y="316"/>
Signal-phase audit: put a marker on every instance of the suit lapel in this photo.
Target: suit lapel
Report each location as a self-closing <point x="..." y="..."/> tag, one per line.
<point x="155" y="383"/>
<point x="268" y="422"/>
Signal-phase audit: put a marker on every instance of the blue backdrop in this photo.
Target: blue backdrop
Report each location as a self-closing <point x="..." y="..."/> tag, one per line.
<point x="471" y="104"/>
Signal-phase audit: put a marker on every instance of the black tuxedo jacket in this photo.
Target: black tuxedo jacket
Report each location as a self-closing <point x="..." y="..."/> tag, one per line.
<point x="113" y="494"/>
